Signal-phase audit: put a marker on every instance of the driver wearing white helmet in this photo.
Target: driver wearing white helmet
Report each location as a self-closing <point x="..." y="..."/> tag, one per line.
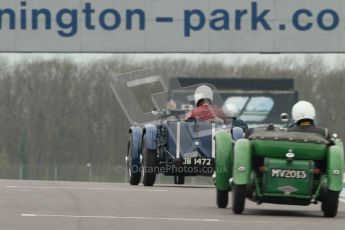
<point x="205" y="111"/>
<point x="232" y="113"/>
<point x="303" y="114"/>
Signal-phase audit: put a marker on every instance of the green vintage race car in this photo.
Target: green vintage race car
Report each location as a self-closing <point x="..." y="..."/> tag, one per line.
<point x="279" y="167"/>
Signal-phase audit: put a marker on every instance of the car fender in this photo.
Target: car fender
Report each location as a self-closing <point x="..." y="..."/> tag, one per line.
<point x="150" y="137"/>
<point x="224" y="160"/>
<point x="137" y="136"/>
<point x="242" y="162"/>
<point x="335" y="168"/>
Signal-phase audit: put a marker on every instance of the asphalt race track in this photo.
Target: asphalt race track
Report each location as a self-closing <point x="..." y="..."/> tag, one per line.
<point x="47" y="205"/>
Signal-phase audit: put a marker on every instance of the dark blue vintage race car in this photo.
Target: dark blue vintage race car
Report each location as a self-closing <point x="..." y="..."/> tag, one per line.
<point x="162" y="141"/>
<point x="173" y="148"/>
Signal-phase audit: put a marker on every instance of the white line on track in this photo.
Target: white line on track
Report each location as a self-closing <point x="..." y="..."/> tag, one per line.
<point x="85" y="188"/>
<point x="161" y="219"/>
<point x="121" y="217"/>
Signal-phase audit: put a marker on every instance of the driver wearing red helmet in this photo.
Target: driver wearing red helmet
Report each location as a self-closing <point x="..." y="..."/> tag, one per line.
<point x="204" y="110"/>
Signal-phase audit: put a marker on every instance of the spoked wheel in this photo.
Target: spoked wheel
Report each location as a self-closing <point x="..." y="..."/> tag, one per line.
<point x="330" y="203"/>
<point x="179" y="179"/>
<point x="238" y="198"/>
<point x="222" y="198"/>
<point x="134" y="172"/>
<point x="149" y="163"/>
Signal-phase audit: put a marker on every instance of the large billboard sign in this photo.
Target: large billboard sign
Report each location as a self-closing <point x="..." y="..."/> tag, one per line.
<point x="155" y="26"/>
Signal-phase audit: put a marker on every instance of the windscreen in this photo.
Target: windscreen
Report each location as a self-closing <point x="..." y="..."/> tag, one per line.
<point x="140" y="92"/>
<point x="142" y="89"/>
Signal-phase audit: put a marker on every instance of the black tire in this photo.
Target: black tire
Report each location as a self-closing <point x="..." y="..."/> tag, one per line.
<point x="323" y="197"/>
<point x="330" y="203"/>
<point x="133" y="171"/>
<point x="179" y="179"/>
<point x="222" y="198"/>
<point x="238" y="198"/>
<point x="323" y="206"/>
<point x="149" y="163"/>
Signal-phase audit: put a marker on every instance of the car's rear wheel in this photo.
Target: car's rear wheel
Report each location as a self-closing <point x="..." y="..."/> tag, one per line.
<point x="179" y="179"/>
<point x="134" y="173"/>
<point x="149" y="163"/>
<point x="238" y="198"/>
<point x="323" y="197"/>
<point x="330" y="203"/>
<point x="222" y="198"/>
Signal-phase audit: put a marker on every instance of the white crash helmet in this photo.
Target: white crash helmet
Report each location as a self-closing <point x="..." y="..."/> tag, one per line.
<point x="230" y="109"/>
<point x="203" y="92"/>
<point x="303" y="110"/>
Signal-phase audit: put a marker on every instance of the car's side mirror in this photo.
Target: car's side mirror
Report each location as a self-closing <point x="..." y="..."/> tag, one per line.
<point x="284" y="117"/>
